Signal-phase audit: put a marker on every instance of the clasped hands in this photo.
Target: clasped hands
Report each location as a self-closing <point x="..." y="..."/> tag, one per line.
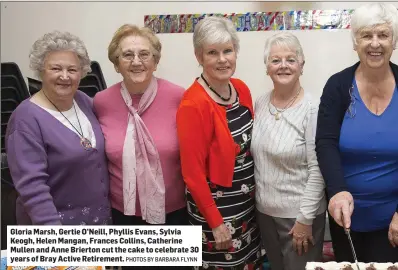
<point x="302" y="236"/>
<point x="222" y="237"/>
<point x="341" y="206"/>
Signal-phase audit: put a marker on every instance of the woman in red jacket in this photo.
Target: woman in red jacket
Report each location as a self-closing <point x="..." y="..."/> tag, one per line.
<point x="214" y="123"/>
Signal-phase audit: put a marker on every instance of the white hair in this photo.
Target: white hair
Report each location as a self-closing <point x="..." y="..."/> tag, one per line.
<point x="373" y="14"/>
<point x="214" y="30"/>
<point x="58" y="41"/>
<point x="284" y="39"/>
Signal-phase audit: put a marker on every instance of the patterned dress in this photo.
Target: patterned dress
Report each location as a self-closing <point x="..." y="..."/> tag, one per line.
<point x="236" y="205"/>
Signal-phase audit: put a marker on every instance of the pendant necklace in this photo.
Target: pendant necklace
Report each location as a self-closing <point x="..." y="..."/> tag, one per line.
<point x="279" y="112"/>
<point x="83" y="140"/>
<point x="215" y="92"/>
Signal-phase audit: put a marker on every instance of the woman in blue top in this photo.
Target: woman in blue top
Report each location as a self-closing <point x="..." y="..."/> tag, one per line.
<point x="357" y="140"/>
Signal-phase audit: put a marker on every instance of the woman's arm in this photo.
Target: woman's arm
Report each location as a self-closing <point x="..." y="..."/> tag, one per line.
<point x="332" y="109"/>
<point x="330" y="115"/>
<point x="194" y="151"/>
<point x="27" y="160"/>
<point x="315" y="188"/>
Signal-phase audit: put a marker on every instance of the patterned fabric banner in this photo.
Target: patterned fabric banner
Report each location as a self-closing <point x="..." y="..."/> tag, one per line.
<point x="256" y="21"/>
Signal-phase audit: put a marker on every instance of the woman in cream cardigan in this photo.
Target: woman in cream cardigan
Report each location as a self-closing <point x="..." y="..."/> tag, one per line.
<point x="290" y="189"/>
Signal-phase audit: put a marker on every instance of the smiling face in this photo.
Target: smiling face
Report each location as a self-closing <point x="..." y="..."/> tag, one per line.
<point x="218" y="61"/>
<point x="283" y="65"/>
<point x="375" y="45"/>
<point x="136" y="62"/>
<point x="61" y="74"/>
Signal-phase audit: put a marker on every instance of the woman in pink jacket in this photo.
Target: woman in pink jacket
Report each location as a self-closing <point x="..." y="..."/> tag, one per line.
<point x="138" y="119"/>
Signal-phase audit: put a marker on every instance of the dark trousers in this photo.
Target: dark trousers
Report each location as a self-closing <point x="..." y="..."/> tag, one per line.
<point x="369" y="246"/>
<point x="175" y="218"/>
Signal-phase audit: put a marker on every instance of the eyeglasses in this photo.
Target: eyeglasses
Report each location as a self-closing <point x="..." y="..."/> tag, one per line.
<point x="142" y="55"/>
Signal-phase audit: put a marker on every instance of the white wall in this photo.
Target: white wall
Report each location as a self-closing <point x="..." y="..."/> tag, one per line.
<point x="326" y="51"/>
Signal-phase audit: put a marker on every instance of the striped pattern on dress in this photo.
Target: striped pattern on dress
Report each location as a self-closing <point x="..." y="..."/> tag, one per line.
<point x="236" y="204"/>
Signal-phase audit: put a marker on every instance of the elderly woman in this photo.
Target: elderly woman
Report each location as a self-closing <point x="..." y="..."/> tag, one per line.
<point x="54" y="142"/>
<point x="357" y="140"/>
<point x="214" y="125"/>
<point x="290" y="196"/>
<point x="138" y="119"/>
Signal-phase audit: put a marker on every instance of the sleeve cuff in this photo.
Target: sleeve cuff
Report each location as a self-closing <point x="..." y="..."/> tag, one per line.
<point x="213" y="216"/>
<point x="300" y="218"/>
<point x="334" y="191"/>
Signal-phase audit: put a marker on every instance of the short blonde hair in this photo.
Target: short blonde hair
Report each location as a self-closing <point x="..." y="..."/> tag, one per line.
<point x="58" y="41"/>
<point x="133" y="30"/>
<point x="212" y="30"/>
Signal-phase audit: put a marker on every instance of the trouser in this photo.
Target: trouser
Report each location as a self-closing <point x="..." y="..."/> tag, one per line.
<point x="371" y="246"/>
<point x="278" y="243"/>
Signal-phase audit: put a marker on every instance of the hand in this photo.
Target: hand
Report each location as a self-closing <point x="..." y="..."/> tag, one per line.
<point x="341" y="207"/>
<point x="393" y="231"/>
<point x="302" y="234"/>
<point x="223" y="237"/>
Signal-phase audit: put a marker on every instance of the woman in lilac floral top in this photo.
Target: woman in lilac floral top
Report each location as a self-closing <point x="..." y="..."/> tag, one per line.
<point x="54" y="143"/>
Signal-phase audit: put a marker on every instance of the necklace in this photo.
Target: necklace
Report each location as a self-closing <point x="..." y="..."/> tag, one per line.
<point x="214" y="91"/>
<point x="279" y="112"/>
<point x="83" y="140"/>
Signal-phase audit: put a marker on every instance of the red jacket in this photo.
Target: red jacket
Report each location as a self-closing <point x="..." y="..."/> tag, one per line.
<point x="207" y="148"/>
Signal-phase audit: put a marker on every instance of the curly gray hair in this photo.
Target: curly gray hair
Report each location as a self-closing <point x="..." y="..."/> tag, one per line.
<point x="58" y="41"/>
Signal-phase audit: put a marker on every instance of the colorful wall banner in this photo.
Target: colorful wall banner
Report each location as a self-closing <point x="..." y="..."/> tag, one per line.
<point x="256" y="21"/>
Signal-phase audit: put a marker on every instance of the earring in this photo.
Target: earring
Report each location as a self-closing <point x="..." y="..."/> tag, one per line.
<point x="266" y="72"/>
<point x="301" y="72"/>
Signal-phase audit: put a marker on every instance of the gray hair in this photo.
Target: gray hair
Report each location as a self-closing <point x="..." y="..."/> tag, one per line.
<point x="58" y="41"/>
<point x="285" y="39"/>
<point x="214" y="30"/>
<point x="373" y="14"/>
